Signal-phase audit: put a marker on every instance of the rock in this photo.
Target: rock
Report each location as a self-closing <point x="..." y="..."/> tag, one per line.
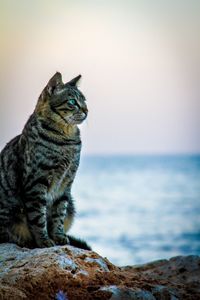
<point x="68" y="273"/>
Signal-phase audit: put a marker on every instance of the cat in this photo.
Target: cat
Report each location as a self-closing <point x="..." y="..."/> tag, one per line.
<point x="38" y="167"/>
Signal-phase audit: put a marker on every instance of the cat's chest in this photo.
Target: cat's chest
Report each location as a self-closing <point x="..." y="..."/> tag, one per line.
<point x="61" y="178"/>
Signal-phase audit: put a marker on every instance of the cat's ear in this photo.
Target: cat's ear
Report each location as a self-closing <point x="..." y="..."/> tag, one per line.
<point x="74" y="81"/>
<point x="55" y="83"/>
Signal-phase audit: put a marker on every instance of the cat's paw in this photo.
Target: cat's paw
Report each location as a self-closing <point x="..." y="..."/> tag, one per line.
<point x="61" y="239"/>
<point x="45" y="243"/>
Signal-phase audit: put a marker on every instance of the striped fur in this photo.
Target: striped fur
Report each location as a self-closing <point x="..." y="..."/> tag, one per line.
<point x="37" y="169"/>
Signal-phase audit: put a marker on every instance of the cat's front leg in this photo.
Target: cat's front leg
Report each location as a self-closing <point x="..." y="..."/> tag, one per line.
<point x="37" y="219"/>
<point x="62" y="215"/>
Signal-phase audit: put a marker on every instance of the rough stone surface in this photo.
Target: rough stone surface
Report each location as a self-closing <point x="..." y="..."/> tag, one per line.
<point x="70" y="273"/>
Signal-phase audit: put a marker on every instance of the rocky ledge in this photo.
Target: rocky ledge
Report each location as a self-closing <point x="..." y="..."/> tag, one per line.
<point x="70" y="273"/>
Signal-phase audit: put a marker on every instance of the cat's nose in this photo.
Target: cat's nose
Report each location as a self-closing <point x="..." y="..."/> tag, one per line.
<point x="85" y="110"/>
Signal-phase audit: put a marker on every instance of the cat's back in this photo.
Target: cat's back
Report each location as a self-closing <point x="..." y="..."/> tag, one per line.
<point x="9" y="159"/>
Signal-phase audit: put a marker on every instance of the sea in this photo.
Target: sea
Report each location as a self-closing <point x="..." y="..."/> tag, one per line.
<point x="136" y="209"/>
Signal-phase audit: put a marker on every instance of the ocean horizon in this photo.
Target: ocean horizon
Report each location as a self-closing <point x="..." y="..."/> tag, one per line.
<point x="137" y="208"/>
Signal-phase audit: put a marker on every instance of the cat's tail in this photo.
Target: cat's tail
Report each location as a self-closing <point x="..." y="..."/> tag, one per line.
<point x="4" y="236"/>
<point x="78" y="243"/>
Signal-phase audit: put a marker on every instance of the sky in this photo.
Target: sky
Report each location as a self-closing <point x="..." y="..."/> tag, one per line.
<point x="140" y="66"/>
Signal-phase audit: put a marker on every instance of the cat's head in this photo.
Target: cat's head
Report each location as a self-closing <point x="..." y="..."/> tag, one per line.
<point x="64" y="100"/>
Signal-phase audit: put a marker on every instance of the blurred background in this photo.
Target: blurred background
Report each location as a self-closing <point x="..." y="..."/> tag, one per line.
<point x="137" y="190"/>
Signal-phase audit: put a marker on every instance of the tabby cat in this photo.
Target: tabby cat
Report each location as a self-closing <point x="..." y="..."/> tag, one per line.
<point x="37" y="169"/>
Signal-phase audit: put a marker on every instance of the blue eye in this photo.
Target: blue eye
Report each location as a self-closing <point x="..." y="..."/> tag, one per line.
<point x="71" y="102"/>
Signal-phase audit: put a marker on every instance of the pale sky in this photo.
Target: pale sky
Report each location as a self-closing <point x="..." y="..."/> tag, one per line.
<point x="140" y="62"/>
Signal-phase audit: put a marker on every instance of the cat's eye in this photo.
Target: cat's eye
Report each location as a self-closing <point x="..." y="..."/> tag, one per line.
<point x="71" y="102"/>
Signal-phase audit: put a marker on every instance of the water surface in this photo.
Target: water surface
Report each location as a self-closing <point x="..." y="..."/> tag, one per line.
<point x="133" y="209"/>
